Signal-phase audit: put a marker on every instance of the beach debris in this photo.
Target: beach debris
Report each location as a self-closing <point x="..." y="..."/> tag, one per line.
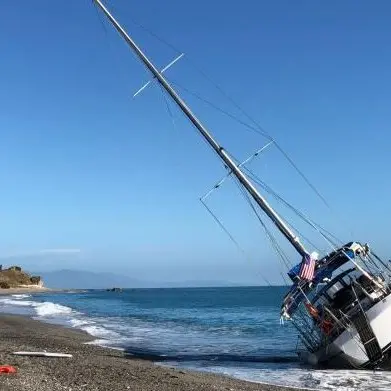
<point x="7" y="369"/>
<point x="42" y="354"/>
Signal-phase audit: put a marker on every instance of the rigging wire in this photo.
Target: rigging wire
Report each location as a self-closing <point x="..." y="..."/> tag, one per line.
<point x="248" y="127"/>
<point x="258" y="128"/>
<point x="239" y="247"/>
<point x="317" y="227"/>
<point x="170" y="113"/>
<point x="267" y="188"/>
<point x="99" y="16"/>
<point x="218" y="221"/>
<point x="120" y="69"/>
<point x="251" y="128"/>
<point x="295" y="210"/>
<point x="269" y="234"/>
<point x="302" y="236"/>
<point x="262" y="131"/>
<point x="288" y="159"/>
<point x="286" y="282"/>
<point x="150" y="32"/>
<point x="306" y="219"/>
<point x="221" y="225"/>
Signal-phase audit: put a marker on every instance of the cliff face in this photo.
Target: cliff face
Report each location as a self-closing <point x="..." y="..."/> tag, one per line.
<point x="15" y="277"/>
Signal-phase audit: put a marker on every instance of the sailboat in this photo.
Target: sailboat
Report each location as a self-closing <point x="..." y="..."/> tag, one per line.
<point x="340" y="303"/>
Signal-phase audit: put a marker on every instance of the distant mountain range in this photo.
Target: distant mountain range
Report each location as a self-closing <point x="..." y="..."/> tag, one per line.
<point x="77" y="279"/>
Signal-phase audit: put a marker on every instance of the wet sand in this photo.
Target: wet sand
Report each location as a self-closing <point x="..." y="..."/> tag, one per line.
<point x="92" y="368"/>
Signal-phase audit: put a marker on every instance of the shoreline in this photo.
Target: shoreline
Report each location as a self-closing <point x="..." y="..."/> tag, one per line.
<point x="24" y="290"/>
<point x="29" y="290"/>
<point x="93" y="367"/>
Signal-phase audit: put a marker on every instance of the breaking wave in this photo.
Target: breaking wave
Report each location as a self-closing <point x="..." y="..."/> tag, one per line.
<point x="240" y="341"/>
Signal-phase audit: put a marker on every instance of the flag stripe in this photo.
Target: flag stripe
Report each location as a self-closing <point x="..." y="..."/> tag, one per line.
<point x="307" y="270"/>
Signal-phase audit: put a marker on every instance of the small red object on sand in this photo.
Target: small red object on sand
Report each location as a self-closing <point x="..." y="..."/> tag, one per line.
<point x="7" y="369"/>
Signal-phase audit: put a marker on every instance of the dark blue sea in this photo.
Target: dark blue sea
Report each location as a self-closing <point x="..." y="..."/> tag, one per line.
<point x="232" y="331"/>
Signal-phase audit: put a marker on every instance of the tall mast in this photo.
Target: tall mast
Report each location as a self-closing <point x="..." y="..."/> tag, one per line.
<point x="271" y="213"/>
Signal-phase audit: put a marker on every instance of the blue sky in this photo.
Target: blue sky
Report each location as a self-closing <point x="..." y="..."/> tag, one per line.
<point x="93" y="178"/>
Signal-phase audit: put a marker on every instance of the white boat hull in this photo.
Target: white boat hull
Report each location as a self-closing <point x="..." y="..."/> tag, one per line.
<point x="347" y="350"/>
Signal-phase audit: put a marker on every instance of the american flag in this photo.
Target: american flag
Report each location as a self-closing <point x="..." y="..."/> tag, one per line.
<point x="307" y="269"/>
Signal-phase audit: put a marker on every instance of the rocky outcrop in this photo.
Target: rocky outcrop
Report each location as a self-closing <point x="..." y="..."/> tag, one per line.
<point x="36" y="280"/>
<point x="15" y="277"/>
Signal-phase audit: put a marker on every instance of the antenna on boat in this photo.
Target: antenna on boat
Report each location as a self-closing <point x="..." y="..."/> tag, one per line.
<point x="220" y="151"/>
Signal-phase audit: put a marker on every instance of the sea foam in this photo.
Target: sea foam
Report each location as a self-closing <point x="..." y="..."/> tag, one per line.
<point x="238" y="341"/>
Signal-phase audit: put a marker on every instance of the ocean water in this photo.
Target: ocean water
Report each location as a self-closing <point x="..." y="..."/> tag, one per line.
<point x="232" y="331"/>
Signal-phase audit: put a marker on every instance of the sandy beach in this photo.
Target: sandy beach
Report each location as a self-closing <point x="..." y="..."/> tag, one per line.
<point x="24" y="290"/>
<point x="91" y="367"/>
